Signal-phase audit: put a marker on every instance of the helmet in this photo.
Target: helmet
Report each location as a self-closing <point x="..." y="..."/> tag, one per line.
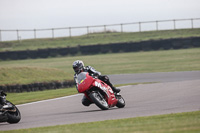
<point x="78" y="66"/>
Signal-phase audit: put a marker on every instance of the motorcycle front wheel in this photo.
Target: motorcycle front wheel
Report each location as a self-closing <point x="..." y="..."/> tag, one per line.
<point x="98" y="99"/>
<point x="13" y="117"/>
<point x="121" y="102"/>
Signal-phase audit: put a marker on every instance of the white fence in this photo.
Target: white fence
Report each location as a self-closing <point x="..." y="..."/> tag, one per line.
<point x="21" y="34"/>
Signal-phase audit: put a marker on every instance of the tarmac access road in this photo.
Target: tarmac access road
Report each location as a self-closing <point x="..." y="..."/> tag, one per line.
<point x="173" y="92"/>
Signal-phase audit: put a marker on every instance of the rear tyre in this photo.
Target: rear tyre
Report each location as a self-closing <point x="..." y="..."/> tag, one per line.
<point x="98" y="99"/>
<point x="13" y="117"/>
<point x="121" y="102"/>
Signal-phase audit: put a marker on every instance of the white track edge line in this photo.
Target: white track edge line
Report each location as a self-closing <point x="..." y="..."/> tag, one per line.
<point x="47" y="100"/>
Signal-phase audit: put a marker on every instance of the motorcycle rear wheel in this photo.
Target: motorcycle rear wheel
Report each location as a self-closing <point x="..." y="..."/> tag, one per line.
<point x="99" y="100"/>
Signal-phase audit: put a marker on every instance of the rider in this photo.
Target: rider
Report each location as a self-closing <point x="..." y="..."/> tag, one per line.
<point x="2" y="99"/>
<point x="78" y="67"/>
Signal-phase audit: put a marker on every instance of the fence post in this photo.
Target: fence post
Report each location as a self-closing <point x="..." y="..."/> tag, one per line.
<point x="139" y="26"/>
<point x="17" y="35"/>
<point x="157" y="25"/>
<point x="121" y="28"/>
<point x="105" y="28"/>
<point x="192" y="23"/>
<point x="35" y="33"/>
<point x="0" y="36"/>
<point x="69" y="31"/>
<point x="52" y="33"/>
<point x="88" y="30"/>
<point x="174" y="24"/>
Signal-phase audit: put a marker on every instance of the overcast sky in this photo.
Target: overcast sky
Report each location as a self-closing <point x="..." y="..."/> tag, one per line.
<point x="30" y="14"/>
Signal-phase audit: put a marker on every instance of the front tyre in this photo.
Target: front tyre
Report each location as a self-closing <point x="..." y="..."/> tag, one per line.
<point x="98" y="99"/>
<point x="121" y="101"/>
<point x="13" y="117"/>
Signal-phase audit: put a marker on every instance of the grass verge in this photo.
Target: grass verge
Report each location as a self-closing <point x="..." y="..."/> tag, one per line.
<point x="27" y="97"/>
<point x="187" y="122"/>
<point x="26" y="75"/>
<point x="135" y="62"/>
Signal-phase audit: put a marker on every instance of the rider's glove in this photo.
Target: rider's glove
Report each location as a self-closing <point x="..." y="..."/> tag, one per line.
<point x="95" y="75"/>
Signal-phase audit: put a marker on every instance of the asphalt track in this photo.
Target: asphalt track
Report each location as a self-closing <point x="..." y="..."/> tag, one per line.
<point x="175" y="92"/>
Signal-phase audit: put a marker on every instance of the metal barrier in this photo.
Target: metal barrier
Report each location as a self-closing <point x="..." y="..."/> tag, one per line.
<point x="21" y="34"/>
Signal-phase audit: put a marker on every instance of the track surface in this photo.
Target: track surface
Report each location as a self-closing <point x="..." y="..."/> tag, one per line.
<point x="176" y="92"/>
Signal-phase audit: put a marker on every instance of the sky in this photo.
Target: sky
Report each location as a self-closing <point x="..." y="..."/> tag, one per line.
<point x="34" y="14"/>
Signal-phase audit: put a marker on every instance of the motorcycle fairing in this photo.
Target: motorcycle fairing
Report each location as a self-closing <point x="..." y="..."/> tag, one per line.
<point x="84" y="82"/>
<point x="107" y="90"/>
<point x="101" y="86"/>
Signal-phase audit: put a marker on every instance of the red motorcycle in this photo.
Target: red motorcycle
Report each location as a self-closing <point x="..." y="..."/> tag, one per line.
<point x="98" y="92"/>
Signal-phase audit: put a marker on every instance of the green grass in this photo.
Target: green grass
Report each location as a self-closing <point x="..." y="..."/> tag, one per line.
<point x="27" y="97"/>
<point x="97" y="38"/>
<point x="136" y="62"/>
<point x="26" y="75"/>
<point x="188" y="122"/>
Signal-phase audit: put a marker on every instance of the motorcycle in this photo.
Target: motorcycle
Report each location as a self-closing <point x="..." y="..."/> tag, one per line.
<point x="8" y="112"/>
<point x="98" y="92"/>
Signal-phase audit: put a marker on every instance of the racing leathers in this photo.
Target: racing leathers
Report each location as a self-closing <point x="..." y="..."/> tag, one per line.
<point x="2" y="99"/>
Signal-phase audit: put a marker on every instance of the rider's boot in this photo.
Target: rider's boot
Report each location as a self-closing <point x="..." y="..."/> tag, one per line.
<point x="1" y="106"/>
<point x="117" y="90"/>
<point x="86" y="101"/>
<point x="107" y="81"/>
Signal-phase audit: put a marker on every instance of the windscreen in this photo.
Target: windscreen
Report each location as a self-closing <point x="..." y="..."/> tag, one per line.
<point x="81" y="77"/>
